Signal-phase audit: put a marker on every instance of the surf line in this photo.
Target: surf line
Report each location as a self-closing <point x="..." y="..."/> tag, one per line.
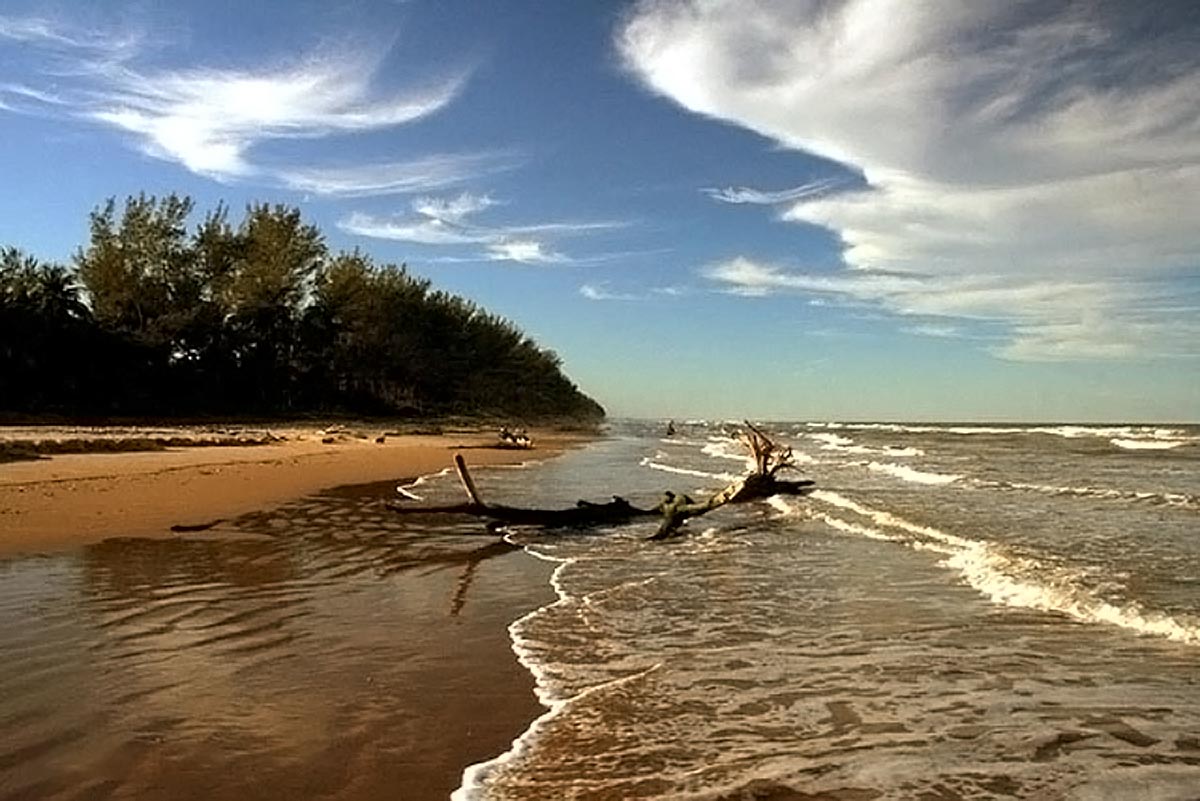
<point x="407" y="489"/>
<point x="475" y="777"/>
<point x="1002" y="580"/>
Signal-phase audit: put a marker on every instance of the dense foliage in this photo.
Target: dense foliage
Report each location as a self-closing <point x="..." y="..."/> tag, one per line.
<point x="253" y="318"/>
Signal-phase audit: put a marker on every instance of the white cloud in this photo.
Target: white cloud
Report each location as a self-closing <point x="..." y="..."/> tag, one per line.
<point x="743" y="194"/>
<point x="209" y="119"/>
<point x="422" y="232"/>
<point x="29" y="30"/>
<point x="423" y="174"/>
<point x="936" y="331"/>
<point x="1051" y="318"/>
<point x="453" y="209"/>
<point x="448" y="221"/>
<point x="45" y="31"/>
<point x="1033" y="154"/>
<point x="523" y="251"/>
<point x="602" y="292"/>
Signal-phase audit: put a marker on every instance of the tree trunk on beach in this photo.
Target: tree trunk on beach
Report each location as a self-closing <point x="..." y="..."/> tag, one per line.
<point x="674" y="509"/>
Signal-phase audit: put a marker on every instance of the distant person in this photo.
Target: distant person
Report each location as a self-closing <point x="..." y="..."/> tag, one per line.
<point x="671" y="428"/>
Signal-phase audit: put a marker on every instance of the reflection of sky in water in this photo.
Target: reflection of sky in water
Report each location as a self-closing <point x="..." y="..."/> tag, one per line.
<point x="332" y="640"/>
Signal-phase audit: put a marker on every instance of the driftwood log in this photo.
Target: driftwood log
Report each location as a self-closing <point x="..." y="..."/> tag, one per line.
<point x="674" y="509"/>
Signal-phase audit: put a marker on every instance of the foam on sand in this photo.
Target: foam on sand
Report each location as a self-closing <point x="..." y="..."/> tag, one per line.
<point x="475" y="777"/>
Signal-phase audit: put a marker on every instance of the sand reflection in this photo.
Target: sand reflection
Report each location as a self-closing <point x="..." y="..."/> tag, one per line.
<point x="323" y="649"/>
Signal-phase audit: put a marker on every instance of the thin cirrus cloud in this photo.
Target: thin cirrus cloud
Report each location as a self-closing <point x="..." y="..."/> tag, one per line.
<point x="743" y="194"/>
<point x="1006" y="149"/>
<point x="1050" y="318"/>
<point x="449" y="221"/>
<point x="424" y="174"/>
<point x="209" y="120"/>
<point x="602" y="292"/>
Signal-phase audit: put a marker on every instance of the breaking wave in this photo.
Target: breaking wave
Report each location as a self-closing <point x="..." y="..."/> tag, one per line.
<point x="686" y="471"/>
<point x="1180" y="499"/>
<point x="909" y="474"/>
<point x="1009" y="580"/>
<point x="1148" y="445"/>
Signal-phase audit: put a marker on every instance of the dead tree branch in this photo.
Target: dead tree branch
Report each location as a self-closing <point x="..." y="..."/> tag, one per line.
<point x="674" y="509"/>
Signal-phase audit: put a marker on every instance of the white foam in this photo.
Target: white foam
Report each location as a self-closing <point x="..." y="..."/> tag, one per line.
<point x="1137" y="433"/>
<point x="475" y="776"/>
<point x="895" y="450"/>
<point x="1011" y="581"/>
<point x="909" y="474"/>
<point x="685" y="471"/>
<point x="832" y="442"/>
<point x="888" y="519"/>
<point x="406" y="489"/>
<point x="1147" y="445"/>
<point x="782" y="506"/>
<point x="991" y="574"/>
<point x="1169" y="498"/>
<point x="723" y="448"/>
<point x="835" y="442"/>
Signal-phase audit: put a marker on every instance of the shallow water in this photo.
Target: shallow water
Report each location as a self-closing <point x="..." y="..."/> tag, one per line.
<point x="958" y="612"/>
<point x="326" y="649"/>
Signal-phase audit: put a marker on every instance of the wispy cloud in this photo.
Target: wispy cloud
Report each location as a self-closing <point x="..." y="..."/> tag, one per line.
<point x="602" y="292"/>
<point x="48" y="32"/>
<point x="524" y="251"/>
<point x="1042" y="315"/>
<point x="1032" y="161"/>
<point x="422" y="231"/>
<point x="936" y="331"/>
<point x="452" y="209"/>
<point x="450" y="221"/>
<point x="743" y="194"/>
<point x="32" y="29"/>
<point x="207" y="120"/>
<point x="425" y="174"/>
<point x="210" y="119"/>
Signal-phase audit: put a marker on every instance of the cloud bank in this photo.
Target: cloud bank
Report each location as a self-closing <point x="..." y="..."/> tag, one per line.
<point x="1028" y="162"/>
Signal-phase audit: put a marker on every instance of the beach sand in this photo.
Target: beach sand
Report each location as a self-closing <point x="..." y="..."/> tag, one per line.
<point x="310" y="645"/>
<point x="71" y="499"/>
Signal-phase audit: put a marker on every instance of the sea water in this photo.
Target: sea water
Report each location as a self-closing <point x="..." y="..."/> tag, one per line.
<point x="957" y="611"/>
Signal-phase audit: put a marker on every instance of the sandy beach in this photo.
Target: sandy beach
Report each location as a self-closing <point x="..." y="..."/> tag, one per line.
<point x="310" y="644"/>
<point x="72" y="499"/>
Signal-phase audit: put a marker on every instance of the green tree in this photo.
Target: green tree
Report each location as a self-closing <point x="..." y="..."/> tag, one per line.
<point x="43" y="324"/>
<point x="277" y="255"/>
<point x="256" y="317"/>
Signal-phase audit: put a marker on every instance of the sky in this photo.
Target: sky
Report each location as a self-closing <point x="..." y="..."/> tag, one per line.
<point x="782" y="209"/>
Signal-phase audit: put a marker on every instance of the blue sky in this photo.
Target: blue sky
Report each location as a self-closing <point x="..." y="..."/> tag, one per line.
<point x="868" y="209"/>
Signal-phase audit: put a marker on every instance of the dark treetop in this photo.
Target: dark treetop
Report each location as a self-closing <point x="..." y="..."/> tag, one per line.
<point x="253" y="318"/>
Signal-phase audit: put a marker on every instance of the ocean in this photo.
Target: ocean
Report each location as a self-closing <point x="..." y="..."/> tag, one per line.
<point x="957" y="612"/>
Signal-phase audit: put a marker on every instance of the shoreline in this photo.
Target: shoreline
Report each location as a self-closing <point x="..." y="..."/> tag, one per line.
<point x="69" y="500"/>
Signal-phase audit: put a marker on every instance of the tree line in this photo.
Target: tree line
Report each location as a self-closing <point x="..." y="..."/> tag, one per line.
<point x="154" y="318"/>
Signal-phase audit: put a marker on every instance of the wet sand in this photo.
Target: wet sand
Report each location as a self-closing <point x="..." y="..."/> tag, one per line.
<point x="314" y="647"/>
<point x="71" y="499"/>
